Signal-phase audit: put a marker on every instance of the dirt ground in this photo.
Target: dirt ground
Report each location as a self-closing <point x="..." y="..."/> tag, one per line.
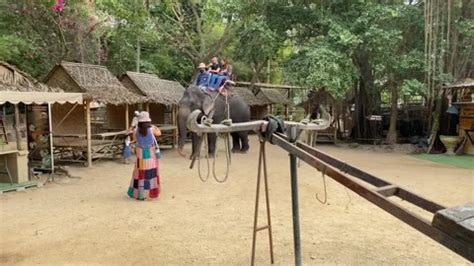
<point x="89" y="220"/>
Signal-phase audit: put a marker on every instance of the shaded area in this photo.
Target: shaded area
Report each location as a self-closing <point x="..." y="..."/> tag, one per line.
<point x="5" y="187"/>
<point x="465" y="161"/>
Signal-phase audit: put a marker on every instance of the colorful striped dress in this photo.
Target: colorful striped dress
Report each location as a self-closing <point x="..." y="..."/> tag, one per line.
<point x="145" y="182"/>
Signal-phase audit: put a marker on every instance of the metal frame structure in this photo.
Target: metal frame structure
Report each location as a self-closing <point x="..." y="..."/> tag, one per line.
<point x="347" y="175"/>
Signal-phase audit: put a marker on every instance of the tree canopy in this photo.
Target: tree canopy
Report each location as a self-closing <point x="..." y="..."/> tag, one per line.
<point x="376" y="50"/>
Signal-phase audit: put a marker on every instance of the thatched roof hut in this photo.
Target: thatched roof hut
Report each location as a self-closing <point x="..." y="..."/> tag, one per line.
<point x="94" y="82"/>
<point x="13" y="79"/>
<point x="156" y="90"/>
<point x="248" y="96"/>
<point x="318" y="97"/>
<point x="462" y="84"/>
<point x="271" y="96"/>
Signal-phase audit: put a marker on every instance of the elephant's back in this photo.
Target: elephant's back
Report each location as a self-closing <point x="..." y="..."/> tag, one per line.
<point x="240" y="110"/>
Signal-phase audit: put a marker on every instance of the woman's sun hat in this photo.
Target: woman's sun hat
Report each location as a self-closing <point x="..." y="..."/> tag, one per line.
<point x="144" y="117"/>
<point x="202" y="65"/>
<point x="137" y="113"/>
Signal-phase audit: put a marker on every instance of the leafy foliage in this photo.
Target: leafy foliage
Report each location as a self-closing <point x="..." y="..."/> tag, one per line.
<point x="320" y="66"/>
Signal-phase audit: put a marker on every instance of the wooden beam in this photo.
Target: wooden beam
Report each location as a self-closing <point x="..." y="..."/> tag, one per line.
<point x="88" y="133"/>
<point x="127" y="120"/>
<point x="65" y="117"/>
<point x="387" y="191"/>
<point x="17" y="128"/>
<point x="419" y="200"/>
<point x="267" y="85"/>
<point x="344" y="167"/>
<point x="395" y="209"/>
<point x="174" y="119"/>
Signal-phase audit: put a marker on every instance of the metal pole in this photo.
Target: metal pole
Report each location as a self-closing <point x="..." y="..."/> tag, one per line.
<point x="255" y="219"/>
<point x="295" y="209"/>
<point x="262" y="162"/>
<point x="267" y="199"/>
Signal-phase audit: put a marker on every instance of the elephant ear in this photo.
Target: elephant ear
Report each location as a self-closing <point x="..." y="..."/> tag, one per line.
<point x="207" y="104"/>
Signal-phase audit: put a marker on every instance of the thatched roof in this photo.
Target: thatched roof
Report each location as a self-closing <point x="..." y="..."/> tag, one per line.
<point x="466" y="83"/>
<point x="155" y="89"/>
<point x="13" y="79"/>
<point x="248" y="96"/>
<point x="318" y="97"/>
<point x="271" y="96"/>
<point x="95" y="82"/>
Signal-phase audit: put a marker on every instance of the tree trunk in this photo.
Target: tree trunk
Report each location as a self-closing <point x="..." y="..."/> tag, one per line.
<point x="256" y="68"/>
<point x="392" y="131"/>
<point x="367" y="99"/>
<point x="436" y="116"/>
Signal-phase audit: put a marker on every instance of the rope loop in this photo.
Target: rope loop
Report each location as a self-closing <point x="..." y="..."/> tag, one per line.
<point x="323" y="173"/>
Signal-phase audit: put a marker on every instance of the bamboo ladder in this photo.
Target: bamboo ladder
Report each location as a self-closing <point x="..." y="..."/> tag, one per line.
<point x="3" y="133"/>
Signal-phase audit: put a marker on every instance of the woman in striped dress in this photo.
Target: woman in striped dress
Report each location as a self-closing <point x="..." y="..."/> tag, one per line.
<point x="145" y="182"/>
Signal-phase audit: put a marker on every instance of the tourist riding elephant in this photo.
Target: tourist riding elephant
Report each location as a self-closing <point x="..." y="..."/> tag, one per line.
<point x="195" y="98"/>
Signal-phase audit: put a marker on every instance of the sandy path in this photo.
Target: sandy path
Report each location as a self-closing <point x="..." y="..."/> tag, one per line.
<point x="90" y="220"/>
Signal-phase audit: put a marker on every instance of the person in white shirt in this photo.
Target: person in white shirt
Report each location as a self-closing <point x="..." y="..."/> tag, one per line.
<point x="134" y="121"/>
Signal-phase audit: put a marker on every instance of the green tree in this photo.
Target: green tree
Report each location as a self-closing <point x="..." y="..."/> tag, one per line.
<point x="335" y="39"/>
<point x="199" y="29"/>
<point x="257" y="45"/>
<point x="36" y="37"/>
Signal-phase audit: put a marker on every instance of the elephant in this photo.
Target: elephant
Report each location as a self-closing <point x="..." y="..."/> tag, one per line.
<point x="195" y="98"/>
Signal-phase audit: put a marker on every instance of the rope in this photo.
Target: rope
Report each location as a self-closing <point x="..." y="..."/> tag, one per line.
<point x="206" y="156"/>
<point x="323" y="172"/>
<point x="227" y="161"/>
<point x="203" y="138"/>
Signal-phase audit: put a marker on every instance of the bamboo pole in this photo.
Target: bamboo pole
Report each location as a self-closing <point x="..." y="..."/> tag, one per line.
<point x="17" y="128"/>
<point x="175" y="131"/>
<point x="127" y="120"/>
<point x="88" y="133"/>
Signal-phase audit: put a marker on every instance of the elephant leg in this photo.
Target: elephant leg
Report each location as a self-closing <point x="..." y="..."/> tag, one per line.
<point x="211" y="140"/>
<point x="244" y="138"/>
<point x="195" y="145"/>
<point x="235" y="142"/>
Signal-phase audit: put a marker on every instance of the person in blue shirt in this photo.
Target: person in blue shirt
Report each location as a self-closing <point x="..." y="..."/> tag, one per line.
<point x="203" y="76"/>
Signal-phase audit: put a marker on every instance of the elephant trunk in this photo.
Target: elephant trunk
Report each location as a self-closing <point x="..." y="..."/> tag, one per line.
<point x="183" y="114"/>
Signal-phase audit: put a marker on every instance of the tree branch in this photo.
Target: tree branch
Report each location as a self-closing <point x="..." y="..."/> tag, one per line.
<point x="202" y="44"/>
<point x="219" y="45"/>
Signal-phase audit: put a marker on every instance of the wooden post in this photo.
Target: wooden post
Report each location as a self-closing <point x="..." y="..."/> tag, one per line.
<point x="127" y="120"/>
<point x="147" y="107"/>
<point x="286" y="111"/>
<point x="51" y="144"/>
<point x="17" y="128"/>
<point x="174" y="119"/>
<point x="88" y="133"/>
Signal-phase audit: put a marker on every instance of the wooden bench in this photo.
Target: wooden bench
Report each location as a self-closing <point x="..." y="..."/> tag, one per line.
<point x="73" y="147"/>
